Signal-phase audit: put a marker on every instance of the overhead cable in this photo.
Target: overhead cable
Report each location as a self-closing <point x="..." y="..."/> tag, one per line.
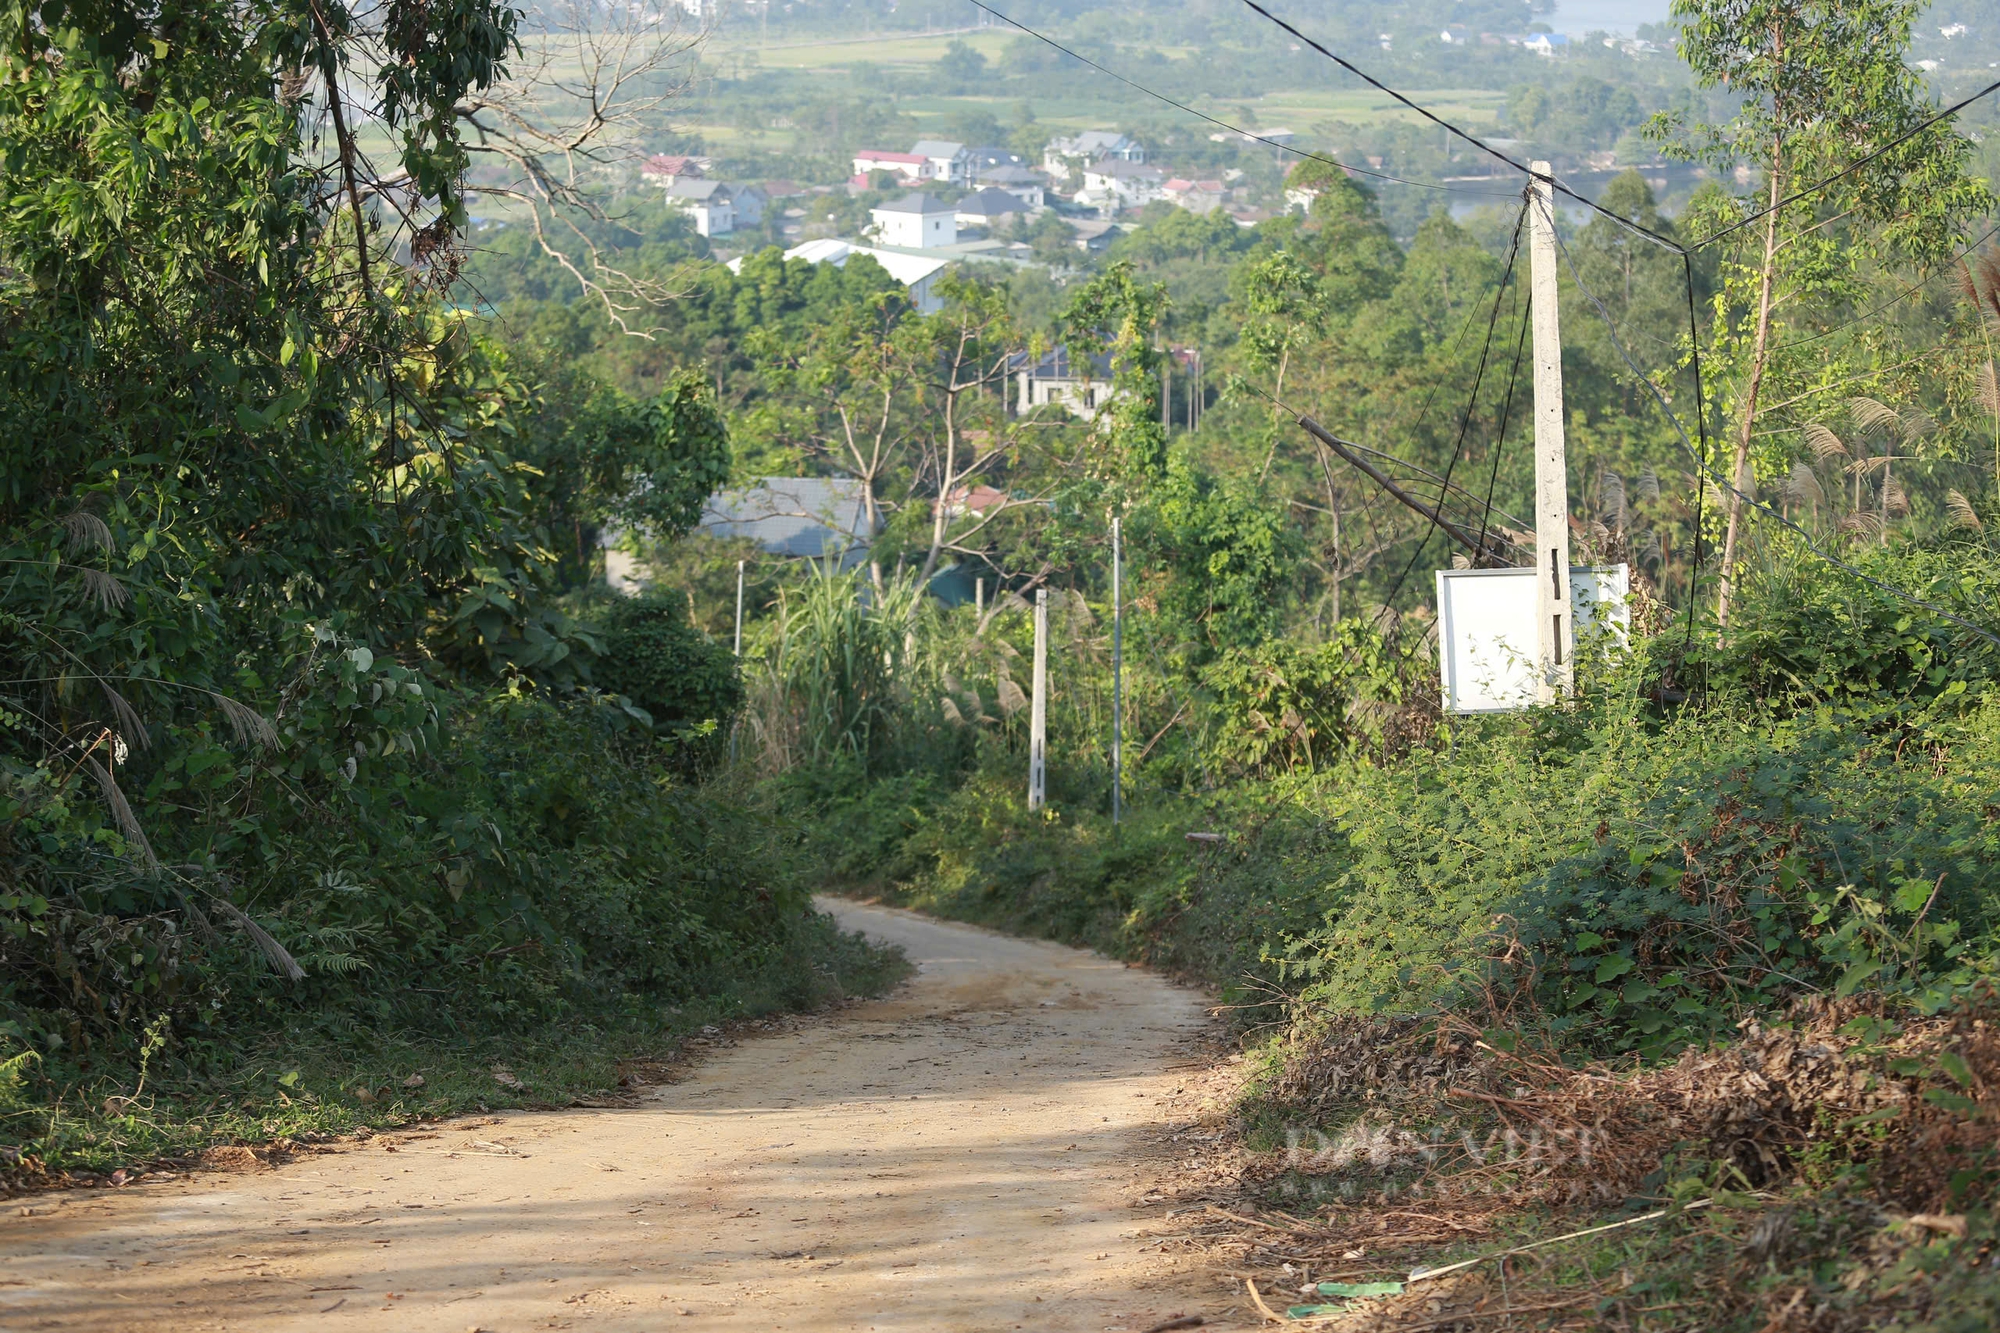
<point x="1466" y="135"/>
<point x="1234" y="129"/>
<point x="1657" y="238"/>
<point x="1850" y="168"/>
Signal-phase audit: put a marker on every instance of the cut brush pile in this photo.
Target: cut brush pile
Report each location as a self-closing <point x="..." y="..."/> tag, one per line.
<point x="1830" y="1171"/>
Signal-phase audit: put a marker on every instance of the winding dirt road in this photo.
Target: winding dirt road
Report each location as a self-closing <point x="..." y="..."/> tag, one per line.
<point x="973" y="1153"/>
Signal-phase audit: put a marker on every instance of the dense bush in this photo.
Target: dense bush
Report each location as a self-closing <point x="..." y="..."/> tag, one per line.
<point x="687" y="683"/>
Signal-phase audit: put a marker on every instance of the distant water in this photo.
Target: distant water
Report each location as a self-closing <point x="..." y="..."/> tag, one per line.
<point x="1578" y="17"/>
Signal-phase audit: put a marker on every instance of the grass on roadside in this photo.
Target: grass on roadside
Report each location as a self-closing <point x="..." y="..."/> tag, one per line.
<point x="66" y="1122"/>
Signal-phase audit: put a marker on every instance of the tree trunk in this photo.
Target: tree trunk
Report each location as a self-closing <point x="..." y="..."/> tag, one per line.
<point x="1759" y="354"/>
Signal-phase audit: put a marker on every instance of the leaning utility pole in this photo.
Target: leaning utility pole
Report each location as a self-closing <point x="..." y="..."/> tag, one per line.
<point x="1555" y="636"/>
<point x="1117" y="677"/>
<point x="1038" y="710"/>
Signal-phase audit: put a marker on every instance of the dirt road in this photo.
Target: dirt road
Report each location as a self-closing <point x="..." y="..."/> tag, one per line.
<point x="966" y="1155"/>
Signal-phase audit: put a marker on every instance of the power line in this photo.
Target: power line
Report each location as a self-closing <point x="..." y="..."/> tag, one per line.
<point x="1466" y="135"/>
<point x="1847" y="170"/>
<point x="1234" y="129"/>
<point x="1897" y="299"/>
<point x="1701" y="463"/>
<point x="1500" y="436"/>
<point x="1627" y="223"/>
<point x="1472" y="403"/>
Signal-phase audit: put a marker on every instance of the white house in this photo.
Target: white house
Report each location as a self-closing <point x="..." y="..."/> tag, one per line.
<point x="990" y="208"/>
<point x="944" y="161"/>
<point x="1023" y="184"/>
<point x="750" y="202"/>
<point x="909" y="166"/>
<point x="918" y="273"/>
<point x="1112" y="183"/>
<point x="710" y="203"/>
<point x="917" y="221"/>
<point x="1051" y="379"/>
<point x="1063" y="155"/>
<point x="1548" y="44"/>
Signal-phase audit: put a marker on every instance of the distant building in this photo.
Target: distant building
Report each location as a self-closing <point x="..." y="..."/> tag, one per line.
<point x="917" y="221"/>
<point x="808" y="518"/>
<point x="1194" y="196"/>
<point x="1040" y="381"/>
<point x="910" y="166"/>
<point x="1064" y="157"/>
<point x="944" y="161"/>
<point x="1112" y="183"/>
<point x="990" y="208"/>
<point x="917" y="273"/>
<point x="711" y="204"/>
<point x="1023" y="184"/>
<point x="750" y="202"/>
<point x="988" y="158"/>
<point x="663" y="169"/>
<point x="1548" y="44"/>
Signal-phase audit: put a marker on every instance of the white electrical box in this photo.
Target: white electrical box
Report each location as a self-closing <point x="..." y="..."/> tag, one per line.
<point x="1486" y="630"/>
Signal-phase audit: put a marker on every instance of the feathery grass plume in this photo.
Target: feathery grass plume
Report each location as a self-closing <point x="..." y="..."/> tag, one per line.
<point x="1824" y="444"/>
<point x="1802" y="486"/>
<point x="1012" y="700"/>
<point x="1986" y="383"/>
<point x="1961" y="511"/>
<point x="131" y="727"/>
<point x="105" y="587"/>
<point x="1646" y="548"/>
<point x="1861" y="523"/>
<point x="121" y="813"/>
<point x="86" y="530"/>
<point x="250" y="726"/>
<point x="274" y="953"/>
<point x="1872" y="414"/>
<point x="1894" y="498"/>
<point x="1648" y="486"/>
<point x="950" y="711"/>
<point x="1611" y="498"/>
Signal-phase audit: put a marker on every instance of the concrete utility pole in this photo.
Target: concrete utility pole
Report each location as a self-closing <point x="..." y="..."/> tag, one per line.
<point x="739" y="608"/>
<point x="1038" y="709"/>
<point x="1555" y="676"/>
<point x="1117" y="677"/>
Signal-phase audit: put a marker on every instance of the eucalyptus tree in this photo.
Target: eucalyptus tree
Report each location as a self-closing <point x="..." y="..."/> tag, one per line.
<point x="1824" y="90"/>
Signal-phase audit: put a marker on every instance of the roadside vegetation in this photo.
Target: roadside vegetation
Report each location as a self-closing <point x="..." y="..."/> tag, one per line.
<point x="340" y="787"/>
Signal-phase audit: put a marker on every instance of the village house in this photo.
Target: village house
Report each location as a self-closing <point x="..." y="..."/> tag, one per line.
<point x="917" y="221"/>
<point x="711" y="204"/>
<point x="1112" y="183"/>
<point x="1194" y="196"/>
<point x="944" y="161"/>
<point x="1024" y="184"/>
<point x="663" y="169"/>
<point x="910" y="166"/>
<point x="1050" y="378"/>
<point x="1063" y="157"/>
<point x="990" y="208"/>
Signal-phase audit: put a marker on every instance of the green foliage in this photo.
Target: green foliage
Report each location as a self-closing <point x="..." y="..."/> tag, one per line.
<point x="687" y="683"/>
<point x="1283" y="706"/>
<point x="1223" y="555"/>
